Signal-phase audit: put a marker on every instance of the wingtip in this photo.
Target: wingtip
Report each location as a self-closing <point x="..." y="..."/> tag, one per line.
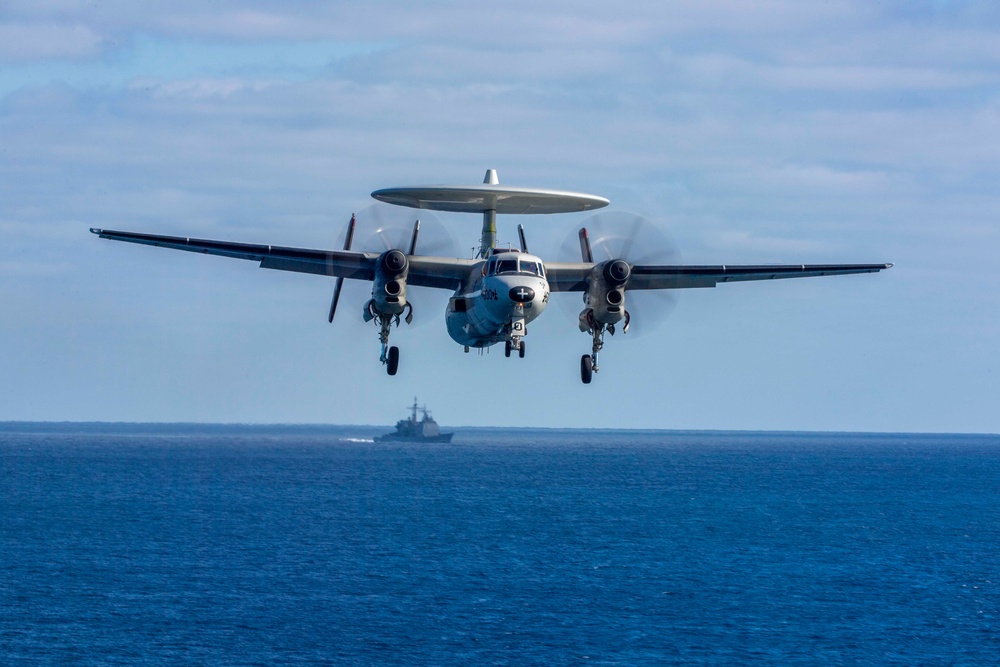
<point x="95" y="230"/>
<point x="889" y="265"/>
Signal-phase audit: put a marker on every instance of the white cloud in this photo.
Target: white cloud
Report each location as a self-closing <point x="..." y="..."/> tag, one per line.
<point x="31" y="42"/>
<point x="750" y="246"/>
<point x="722" y="70"/>
<point x="819" y="179"/>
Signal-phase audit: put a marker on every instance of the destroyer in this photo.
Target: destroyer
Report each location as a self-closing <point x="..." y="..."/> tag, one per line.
<point x="425" y="430"/>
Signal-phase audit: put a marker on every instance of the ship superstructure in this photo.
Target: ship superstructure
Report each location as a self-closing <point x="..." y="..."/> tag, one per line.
<point x="412" y="429"/>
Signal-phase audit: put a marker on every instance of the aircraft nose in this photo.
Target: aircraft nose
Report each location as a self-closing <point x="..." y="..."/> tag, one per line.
<point x="521" y="294"/>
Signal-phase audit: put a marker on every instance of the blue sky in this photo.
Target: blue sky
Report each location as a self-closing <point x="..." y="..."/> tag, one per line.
<point x="753" y="132"/>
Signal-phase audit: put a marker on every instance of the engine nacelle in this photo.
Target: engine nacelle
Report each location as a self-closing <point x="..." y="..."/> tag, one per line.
<point x="605" y="295"/>
<point x="389" y="286"/>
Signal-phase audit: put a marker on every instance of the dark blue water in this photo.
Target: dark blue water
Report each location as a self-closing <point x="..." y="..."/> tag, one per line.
<point x="272" y="546"/>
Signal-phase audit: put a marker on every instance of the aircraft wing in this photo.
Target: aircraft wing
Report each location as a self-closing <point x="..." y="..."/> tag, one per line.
<point x="444" y="272"/>
<point x="572" y="277"/>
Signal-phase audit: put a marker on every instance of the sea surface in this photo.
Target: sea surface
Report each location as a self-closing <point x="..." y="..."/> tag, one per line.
<point x="241" y="545"/>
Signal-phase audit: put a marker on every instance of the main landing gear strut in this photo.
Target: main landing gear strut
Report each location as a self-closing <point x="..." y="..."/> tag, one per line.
<point x="588" y="362"/>
<point x="390" y="355"/>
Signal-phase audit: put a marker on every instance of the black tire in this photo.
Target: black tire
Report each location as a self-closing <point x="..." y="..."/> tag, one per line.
<point x="520" y="350"/>
<point x="506" y="349"/>
<point x="586" y="369"/>
<point x="393" y="364"/>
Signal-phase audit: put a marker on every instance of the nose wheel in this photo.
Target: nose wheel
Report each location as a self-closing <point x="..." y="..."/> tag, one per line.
<point x="512" y="345"/>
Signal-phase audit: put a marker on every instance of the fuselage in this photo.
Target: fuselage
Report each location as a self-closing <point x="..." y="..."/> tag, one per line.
<point x="502" y="294"/>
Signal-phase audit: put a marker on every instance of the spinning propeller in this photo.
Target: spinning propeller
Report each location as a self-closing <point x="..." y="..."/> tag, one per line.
<point x="340" y="281"/>
<point x="615" y="243"/>
<point x="394" y="228"/>
<point x="616" y="235"/>
<point x="381" y="227"/>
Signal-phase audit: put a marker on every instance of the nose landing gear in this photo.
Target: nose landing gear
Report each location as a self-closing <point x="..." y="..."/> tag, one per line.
<point x="517" y="330"/>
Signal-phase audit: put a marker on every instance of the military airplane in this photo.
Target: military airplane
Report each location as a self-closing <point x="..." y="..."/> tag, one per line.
<point x="499" y="291"/>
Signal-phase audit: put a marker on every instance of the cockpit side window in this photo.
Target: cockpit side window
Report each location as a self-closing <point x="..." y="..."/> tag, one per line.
<point x="531" y="268"/>
<point x="491" y="268"/>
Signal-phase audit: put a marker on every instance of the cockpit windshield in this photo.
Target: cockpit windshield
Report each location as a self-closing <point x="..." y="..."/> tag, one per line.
<point x="497" y="267"/>
<point x="506" y="266"/>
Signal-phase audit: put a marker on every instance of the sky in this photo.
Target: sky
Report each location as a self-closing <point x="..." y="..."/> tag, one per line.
<point x="782" y="131"/>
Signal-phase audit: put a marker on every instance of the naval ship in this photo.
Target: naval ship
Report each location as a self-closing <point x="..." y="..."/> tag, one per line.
<point x="411" y="430"/>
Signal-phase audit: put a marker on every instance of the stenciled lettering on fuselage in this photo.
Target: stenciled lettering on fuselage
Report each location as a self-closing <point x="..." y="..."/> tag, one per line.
<point x="489" y="294"/>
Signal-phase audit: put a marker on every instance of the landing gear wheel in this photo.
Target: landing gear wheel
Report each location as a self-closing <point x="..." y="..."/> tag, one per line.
<point x="506" y="349"/>
<point x="586" y="368"/>
<point x="520" y="350"/>
<point x="392" y="364"/>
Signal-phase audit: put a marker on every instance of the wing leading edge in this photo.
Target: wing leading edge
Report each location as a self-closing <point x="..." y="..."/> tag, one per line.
<point x="443" y="272"/>
<point x="449" y="273"/>
<point x="572" y="277"/>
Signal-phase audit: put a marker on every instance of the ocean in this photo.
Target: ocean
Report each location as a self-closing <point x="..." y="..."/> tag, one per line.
<point x="297" y="545"/>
